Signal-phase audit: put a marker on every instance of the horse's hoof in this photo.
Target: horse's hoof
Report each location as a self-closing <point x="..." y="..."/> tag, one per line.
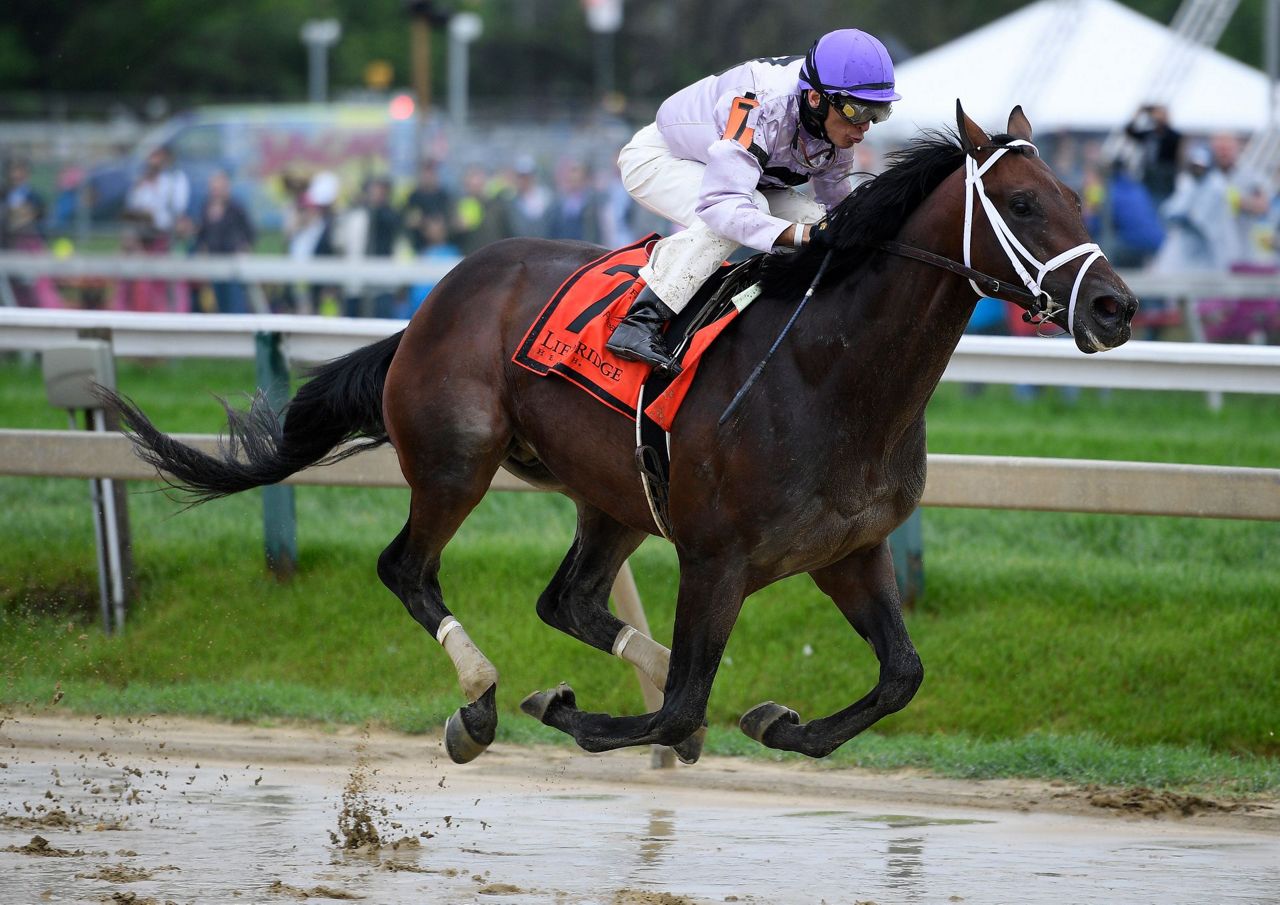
<point x="538" y="703"/>
<point x="757" y="721"/>
<point x="690" y="749"/>
<point x="470" y="730"/>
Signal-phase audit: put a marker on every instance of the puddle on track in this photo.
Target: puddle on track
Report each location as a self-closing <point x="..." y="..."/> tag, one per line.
<point x="262" y="834"/>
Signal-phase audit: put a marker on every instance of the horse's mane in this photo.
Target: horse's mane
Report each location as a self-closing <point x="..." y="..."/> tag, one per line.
<point x="874" y="211"/>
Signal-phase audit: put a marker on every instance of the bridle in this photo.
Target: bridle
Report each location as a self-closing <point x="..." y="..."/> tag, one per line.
<point x="1038" y="304"/>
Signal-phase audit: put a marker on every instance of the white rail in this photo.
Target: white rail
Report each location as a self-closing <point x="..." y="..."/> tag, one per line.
<point x="248" y="268"/>
<point x="255" y="268"/>
<point x="984" y="359"/>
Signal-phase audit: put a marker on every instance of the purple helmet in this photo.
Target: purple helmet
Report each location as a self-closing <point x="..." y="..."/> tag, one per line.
<point x="850" y="62"/>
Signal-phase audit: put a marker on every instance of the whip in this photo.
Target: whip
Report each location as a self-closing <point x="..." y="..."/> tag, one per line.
<point x="759" y="369"/>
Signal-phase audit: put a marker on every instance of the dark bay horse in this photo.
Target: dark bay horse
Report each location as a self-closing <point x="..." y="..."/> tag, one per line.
<point x="823" y="459"/>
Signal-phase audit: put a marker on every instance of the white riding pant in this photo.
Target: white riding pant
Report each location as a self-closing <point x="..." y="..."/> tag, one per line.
<point x="670" y="187"/>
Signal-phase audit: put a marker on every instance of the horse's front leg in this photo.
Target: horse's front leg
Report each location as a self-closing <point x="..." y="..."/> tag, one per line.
<point x="711" y="594"/>
<point x="863" y="587"/>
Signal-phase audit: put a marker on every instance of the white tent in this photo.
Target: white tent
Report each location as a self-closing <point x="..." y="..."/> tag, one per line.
<point x="1079" y="65"/>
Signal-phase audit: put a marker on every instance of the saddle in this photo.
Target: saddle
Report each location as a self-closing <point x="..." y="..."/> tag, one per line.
<point x="719" y="297"/>
<point x="568" y="339"/>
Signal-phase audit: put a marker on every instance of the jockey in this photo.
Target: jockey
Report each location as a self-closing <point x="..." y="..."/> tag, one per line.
<point x="724" y="158"/>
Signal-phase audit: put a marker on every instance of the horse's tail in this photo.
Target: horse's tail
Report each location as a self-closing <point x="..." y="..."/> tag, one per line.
<point x="342" y="401"/>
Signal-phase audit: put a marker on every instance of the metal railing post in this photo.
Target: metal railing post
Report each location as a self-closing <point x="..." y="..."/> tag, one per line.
<point x="279" y="521"/>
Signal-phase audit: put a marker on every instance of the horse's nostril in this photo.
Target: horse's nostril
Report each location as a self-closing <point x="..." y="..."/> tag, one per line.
<point x="1106" y="306"/>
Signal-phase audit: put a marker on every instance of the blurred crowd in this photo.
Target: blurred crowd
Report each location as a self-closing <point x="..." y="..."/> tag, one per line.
<point x="1165" y="203"/>
<point x="1169" y="204"/>
<point x="442" y="216"/>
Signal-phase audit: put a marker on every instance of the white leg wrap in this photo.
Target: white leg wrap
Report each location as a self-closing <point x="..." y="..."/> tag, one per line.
<point x="475" y="672"/>
<point x="642" y="652"/>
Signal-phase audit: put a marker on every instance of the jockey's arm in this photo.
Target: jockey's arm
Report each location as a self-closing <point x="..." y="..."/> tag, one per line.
<point x="788" y="237"/>
<point x="727" y="203"/>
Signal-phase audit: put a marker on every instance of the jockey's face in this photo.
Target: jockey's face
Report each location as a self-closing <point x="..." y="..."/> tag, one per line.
<point x="843" y="134"/>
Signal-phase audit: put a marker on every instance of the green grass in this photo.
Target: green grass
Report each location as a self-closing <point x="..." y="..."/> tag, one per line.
<point x="1088" y="648"/>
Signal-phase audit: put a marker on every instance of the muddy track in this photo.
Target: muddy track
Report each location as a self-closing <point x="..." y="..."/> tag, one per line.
<point x="162" y="809"/>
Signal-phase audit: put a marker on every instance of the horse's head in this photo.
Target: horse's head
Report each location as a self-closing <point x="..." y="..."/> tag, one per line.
<point x="1024" y="225"/>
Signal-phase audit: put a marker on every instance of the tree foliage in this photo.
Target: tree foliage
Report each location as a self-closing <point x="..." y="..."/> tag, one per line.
<point x="532" y="51"/>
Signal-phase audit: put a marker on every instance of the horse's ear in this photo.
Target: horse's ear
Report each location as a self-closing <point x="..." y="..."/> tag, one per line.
<point x="971" y="134"/>
<point x="1019" y="125"/>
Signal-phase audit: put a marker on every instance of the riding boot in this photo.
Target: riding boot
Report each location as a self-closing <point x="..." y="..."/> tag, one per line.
<point x="639" y="336"/>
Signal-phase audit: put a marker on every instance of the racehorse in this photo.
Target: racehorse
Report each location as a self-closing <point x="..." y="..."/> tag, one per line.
<point x="821" y="461"/>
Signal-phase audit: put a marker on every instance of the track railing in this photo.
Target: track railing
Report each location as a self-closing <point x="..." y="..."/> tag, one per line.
<point x="1209" y="367"/>
<point x="972" y="482"/>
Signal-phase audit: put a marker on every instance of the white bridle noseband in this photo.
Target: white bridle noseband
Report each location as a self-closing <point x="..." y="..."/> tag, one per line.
<point x="1009" y="242"/>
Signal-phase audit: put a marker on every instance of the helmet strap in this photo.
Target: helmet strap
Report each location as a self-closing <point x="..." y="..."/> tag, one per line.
<point x="814" y="119"/>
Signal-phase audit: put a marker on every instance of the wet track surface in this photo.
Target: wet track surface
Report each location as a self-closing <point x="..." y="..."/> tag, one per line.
<point x="202" y="813"/>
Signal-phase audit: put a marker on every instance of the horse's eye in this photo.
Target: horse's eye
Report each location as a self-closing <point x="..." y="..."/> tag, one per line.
<point x="1020" y="207"/>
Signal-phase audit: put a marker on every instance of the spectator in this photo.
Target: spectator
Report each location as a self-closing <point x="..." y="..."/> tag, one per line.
<point x="293" y="186"/>
<point x="1131" y="223"/>
<point x="529" y="208"/>
<point x="618" y="212"/>
<point x="370" y="228"/>
<point x="224" y="228"/>
<point x="24" y="209"/>
<point x="479" y="217"/>
<point x="155" y="211"/>
<point x="68" y="200"/>
<point x="575" y="213"/>
<point x="1200" y="227"/>
<point x="22" y="229"/>
<point x="384" y="229"/>
<point x="438" y="248"/>
<point x="313" y="237"/>
<point x="351" y="239"/>
<point x="1160" y="145"/>
<point x="1127" y="224"/>
<point x="1231" y="319"/>
<point x="429" y="200"/>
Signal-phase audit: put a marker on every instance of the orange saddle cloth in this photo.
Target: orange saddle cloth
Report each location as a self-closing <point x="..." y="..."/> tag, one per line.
<point x="567" y="338"/>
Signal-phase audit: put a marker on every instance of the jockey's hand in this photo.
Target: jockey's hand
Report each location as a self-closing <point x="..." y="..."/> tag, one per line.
<point x="820" y="236"/>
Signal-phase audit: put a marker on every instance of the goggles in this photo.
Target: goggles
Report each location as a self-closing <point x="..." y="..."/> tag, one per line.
<point x="858" y="112"/>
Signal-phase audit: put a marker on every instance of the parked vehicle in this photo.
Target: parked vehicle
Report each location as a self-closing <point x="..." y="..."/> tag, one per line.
<point x="258" y="146"/>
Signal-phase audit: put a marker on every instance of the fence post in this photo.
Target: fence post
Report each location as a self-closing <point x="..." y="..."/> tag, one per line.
<point x="279" y="522"/>
<point x="70" y="372"/>
<point x="907" y="545"/>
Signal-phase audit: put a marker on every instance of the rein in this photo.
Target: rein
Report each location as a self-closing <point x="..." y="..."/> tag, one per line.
<point x="1037" y="303"/>
<point x="990" y="286"/>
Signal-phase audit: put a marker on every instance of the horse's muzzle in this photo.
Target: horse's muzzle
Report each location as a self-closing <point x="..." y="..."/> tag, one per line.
<point x="1103" y="321"/>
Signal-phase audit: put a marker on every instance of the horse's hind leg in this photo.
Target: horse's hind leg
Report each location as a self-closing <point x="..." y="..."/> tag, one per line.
<point x="449" y="470"/>
<point x="711" y="595"/>
<point x="577" y="600"/>
<point x="863" y="587"/>
<point x="577" y="603"/>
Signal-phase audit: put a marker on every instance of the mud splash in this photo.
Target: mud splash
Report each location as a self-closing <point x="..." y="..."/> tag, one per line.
<point x="123" y="873"/>
<point x="132" y="898"/>
<point x="365" y="821"/>
<point x="56" y="819"/>
<point x="641" y="897"/>
<point x="357" y="826"/>
<point x="40" y="847"/>
<point x="315" y="892"/>
<point x="1157" y="804"/>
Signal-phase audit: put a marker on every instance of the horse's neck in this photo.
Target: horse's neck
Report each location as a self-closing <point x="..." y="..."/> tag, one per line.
<point x="893" y="329"/>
